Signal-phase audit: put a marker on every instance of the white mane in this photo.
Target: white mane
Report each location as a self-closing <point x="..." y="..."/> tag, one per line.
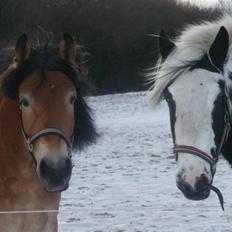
<point x="191" y="45"/>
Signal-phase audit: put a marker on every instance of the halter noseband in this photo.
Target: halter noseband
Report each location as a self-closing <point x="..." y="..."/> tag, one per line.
<point x="196" y="152"/>
<point x="47" y="131"/>
<point x="203" y="155"/>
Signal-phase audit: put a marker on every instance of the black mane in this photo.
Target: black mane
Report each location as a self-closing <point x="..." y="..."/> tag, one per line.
<point x="47" y="58"/>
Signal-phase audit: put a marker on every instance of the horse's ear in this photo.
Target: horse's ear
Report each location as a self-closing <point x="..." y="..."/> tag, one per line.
<point x="67" y="49"/>
<point x="165" y="45"/>
<point x="219" y="48"/>
<point x="23" y="49"/>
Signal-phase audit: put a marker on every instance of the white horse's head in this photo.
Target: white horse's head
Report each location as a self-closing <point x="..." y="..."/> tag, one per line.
<point x="195" y="76"/>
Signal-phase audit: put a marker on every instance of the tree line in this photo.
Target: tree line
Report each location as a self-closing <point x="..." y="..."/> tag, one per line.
<point x="116" y="33"/>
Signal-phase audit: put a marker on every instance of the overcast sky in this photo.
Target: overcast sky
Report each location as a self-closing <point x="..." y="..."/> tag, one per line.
<point x="203" y="2"/>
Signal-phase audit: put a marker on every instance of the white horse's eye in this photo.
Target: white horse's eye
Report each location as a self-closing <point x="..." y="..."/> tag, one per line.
<point x="230" y="75"/>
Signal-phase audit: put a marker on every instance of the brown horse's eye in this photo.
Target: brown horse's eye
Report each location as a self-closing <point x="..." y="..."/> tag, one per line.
<point x="24" y="102"/>
<point x="73" y="99"/>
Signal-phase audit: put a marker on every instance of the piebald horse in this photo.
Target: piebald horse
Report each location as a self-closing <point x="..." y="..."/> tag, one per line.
<point x="43" y="119"/>
<point x="194" y="76"/>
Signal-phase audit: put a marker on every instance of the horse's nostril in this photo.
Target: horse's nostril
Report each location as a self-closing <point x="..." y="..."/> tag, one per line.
<point x="202" y="184"/>
<point x="184" y="187"/>
<point x="202" y="180"/>
<point x="43" y="165"/>
<point x="204" y="177"/>
<point x="178" y="176"/>
<point x="68" y="166"/>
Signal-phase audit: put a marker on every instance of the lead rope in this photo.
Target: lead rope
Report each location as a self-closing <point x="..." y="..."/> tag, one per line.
<point x="225" y="135"/>
<point x="224" y="138"/>
<point x="219" y="194"/>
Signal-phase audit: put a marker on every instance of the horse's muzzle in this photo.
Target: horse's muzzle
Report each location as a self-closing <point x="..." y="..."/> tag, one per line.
<point x="200" y="191"/>
<point x="55" y="173"/>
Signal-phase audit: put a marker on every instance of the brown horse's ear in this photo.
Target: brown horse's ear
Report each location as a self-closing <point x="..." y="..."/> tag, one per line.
<point x="67" y="50"/>
<point x="23" y="49"/>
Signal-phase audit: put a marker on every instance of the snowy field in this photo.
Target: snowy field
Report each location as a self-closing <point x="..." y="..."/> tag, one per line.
<point x="126" y="182"/>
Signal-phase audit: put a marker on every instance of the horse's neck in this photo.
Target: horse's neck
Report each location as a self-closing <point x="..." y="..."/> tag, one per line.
<point x="227" y="149"/>
<point x="19" y="185"/>
<point x="13" y="152"/>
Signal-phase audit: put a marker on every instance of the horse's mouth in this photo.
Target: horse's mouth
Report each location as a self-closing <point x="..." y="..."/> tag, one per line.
<point x="49" y="186"/>
<point x="192" y="194"/>
<point x="195" y="196"/>
<point x="55" y="189"/>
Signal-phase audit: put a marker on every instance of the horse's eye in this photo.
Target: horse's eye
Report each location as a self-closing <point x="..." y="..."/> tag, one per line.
<point x="24" y="102"/>
<point x="73" y="99"/>
<point x="166" y="98"/>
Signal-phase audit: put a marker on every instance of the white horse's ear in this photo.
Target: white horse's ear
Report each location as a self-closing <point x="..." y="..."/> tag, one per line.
<point x="165" y="45"/>
<point x="219" y="48"/>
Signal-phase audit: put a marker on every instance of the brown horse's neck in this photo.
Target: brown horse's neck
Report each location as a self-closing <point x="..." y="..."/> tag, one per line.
<point x="16" y="161"/>
<point x="20" y="188"/>
<point x="12" y="141"/>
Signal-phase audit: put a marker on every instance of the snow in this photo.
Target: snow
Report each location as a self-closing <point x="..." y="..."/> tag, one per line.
<point x="126" y="182"/>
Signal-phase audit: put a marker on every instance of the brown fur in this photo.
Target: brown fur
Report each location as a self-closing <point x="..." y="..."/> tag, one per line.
<point x="48" y="99"/>
<point x="20" y="188"/>
<point x="67" y="50"/>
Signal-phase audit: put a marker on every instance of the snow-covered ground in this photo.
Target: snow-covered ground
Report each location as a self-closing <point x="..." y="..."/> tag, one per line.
<point x="126" y="182"/>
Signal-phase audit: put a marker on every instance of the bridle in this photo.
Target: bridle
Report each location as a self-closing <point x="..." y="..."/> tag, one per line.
<point x="178" y="148"/>
<point x="43" y="132"/>
<point x="185" y="149"/>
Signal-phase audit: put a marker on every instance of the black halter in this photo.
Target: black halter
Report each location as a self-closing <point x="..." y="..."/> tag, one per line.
<point x="43" y="132"/>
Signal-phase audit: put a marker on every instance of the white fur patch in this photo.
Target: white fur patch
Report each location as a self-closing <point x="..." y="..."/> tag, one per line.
<point x="194" y="94"/>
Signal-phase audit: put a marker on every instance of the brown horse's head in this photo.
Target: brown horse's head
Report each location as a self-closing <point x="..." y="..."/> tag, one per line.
<point x="54" y="117"/>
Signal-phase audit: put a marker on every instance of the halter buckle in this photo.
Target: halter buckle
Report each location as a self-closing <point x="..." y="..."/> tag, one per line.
<point x="30" y="146"/>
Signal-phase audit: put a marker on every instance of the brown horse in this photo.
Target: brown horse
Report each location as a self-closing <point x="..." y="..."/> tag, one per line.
<point x="43" y="119"/>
